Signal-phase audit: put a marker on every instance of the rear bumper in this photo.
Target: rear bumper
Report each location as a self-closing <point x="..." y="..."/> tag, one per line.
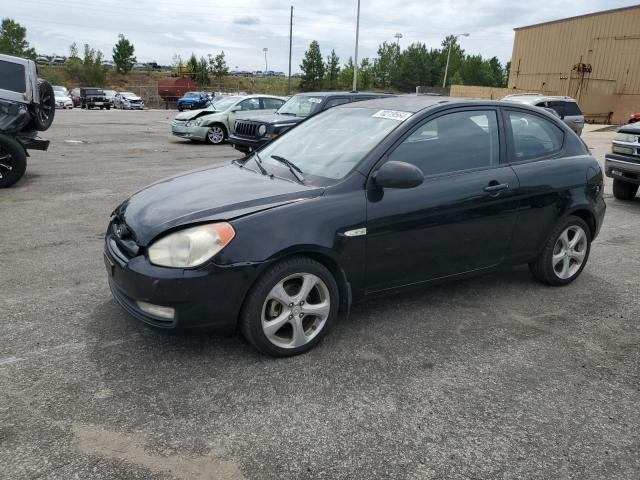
<point x="622" y="167"/>
<point x="209" y="298"/>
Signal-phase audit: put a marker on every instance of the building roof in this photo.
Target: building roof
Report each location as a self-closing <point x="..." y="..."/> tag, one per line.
<point x="578" y="16"/>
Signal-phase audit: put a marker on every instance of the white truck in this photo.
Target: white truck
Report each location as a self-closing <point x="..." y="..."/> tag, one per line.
<point x="27" y="106"/>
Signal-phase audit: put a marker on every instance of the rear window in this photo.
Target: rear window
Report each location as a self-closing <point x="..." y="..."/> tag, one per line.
<point x="12" y="77"/>
<point x="572" y="109"/>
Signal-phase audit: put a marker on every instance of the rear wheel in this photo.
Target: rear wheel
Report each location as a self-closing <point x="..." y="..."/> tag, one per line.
<point x="624" y="190"/>
<point x="13" y="161"/>
<point x="565" y="253"/>
<point x="290" y="308"/>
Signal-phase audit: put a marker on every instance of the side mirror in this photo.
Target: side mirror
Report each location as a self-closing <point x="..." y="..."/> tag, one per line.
<point x="394" y="174"/>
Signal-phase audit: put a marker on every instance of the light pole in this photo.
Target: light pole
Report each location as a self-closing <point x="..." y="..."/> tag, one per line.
<point x="265" y="50"/>
<point x="355" y="64"/>
<point x="398" y="37"/>
<point x="446" y="69"/>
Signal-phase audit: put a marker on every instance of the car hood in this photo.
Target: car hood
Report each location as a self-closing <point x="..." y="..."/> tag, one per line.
<point x="132" y="97"/>
<point x="275" y="118"/>
<point x="191" y="114"/>
<point x="209" y="194"/>
<point x="62" y="97"/>
<point x="631" y="128"/>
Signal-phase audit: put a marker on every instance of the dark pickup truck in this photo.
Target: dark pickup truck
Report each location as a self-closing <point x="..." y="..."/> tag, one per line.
<point x="623" y="163"/>
<point x="94" y="97"/>
<point x="250" y="134"/>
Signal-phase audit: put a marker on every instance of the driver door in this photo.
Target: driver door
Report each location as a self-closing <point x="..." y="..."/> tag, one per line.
<point x="243" y="109"/>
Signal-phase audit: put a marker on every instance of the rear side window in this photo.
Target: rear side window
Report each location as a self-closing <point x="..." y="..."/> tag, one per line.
<point x="572" y="109"/>
<point x="332" y="102"/>
<point x="453" y="142"/>
<point x="12" y="77"/>
<point x="533" y="136"/>
<point x="271" y="103"/>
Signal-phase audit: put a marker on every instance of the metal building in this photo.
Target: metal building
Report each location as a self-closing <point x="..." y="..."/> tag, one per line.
<point x="594" y="58"/>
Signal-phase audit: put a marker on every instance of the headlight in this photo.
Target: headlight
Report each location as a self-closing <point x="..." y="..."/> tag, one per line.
<point x="262" y="129"/>
<point x="187" y="123"/>
<point x="191" y="247"/>
<point x="198" y="122"/>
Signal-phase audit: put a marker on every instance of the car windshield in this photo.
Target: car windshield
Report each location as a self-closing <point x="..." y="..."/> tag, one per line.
<point x="226" y="103"/>
<point x="191" y="94"/>
<point x="329" y="145"/>
<point x="301" y="106"/>
<point x="93" y="91"/>
<point x="127" y="94"/>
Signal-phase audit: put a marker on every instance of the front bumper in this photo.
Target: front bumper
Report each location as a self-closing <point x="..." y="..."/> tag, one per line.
<point x="622" y="167"/>
<point x="245" y="144"/>
<point x="191" y="132"/>
<point x="207" y="298"/>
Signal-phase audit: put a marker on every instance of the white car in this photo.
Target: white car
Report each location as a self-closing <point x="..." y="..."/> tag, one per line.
<point x="128" y="101"/>
<point x="214" y="123"/>
<point x="63" y="100"/>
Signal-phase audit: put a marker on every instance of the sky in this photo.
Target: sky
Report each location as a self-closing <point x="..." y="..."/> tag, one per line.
<point x="242" y="28"/>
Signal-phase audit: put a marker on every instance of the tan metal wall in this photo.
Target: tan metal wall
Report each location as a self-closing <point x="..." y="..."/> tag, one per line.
<point x="544" y="56"/>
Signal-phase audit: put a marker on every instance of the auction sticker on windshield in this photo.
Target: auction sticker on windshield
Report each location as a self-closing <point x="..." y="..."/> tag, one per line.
<point x="315" y="100"/>
<point x="392" y="114"/>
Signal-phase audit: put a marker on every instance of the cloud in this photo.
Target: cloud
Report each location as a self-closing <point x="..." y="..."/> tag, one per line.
<point x="247" y="20"/>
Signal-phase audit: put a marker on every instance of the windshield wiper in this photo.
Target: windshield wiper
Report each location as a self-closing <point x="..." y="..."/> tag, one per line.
<point x="287" y="113"/>
<point x="293" y="168"/>
<point x="258" y="160"/>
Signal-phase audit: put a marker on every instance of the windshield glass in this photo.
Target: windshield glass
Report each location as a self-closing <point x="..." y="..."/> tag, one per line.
<point x="328" y="146"/>
<point x="127" y="94"/>
<point x="301" y="106"/>
<point x="191" y="94"/>
<point x="226" y="102"/>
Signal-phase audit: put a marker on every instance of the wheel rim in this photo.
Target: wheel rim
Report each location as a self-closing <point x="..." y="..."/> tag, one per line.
<point x="216" y="134"/>
<point x="6" y="166"/>
<point x="296" y="310"/>
<point x="45" y="108"/>
<point x="569" y="252"/>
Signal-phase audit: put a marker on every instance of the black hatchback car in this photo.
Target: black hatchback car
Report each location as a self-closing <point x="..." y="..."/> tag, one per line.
<point x="360" y="200"/>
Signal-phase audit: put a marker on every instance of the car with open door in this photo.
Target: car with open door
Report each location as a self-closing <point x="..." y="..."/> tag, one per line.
<point x="361" y="200"/>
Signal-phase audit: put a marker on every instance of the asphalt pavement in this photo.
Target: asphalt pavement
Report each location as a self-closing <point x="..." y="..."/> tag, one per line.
<point x="497" y="377"/>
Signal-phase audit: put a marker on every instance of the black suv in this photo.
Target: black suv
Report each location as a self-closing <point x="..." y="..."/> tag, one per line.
<point x="94" y="97"/>
<point x="252" y="133"/>
<point x="623" y="163"/>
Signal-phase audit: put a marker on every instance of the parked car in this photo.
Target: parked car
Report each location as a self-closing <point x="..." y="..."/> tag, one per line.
<point x="128" y="101"/>
<point x="75" y="97"/>
<point x="361" y="200"/>
<point x="253" y="132"/>
<point x="566" y="107"/>
<point x="192" y="101"/>
<point x="91" y="97"/>
<point x="63" y="100"/>
<point x="42" y="60"/>
<point x="634" y="118"/>
<point x="27" y="106"/>
<point x="60" y="88"/>
<point x="215" y="127"/>
<point x="623" y="163"/>
<point x="56" y="60"/>
<point x="111" y="95"/>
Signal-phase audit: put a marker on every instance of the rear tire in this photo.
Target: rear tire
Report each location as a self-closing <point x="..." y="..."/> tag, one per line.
<point x="290" y="308"/>
<point x="13" y="161"/>
<point x="624" y="190"/>
<point x="565" y="253"/>
<point x="45" y="111"/>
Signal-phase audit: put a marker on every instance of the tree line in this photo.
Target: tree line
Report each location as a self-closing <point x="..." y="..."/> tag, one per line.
<point x="402" y="69"/>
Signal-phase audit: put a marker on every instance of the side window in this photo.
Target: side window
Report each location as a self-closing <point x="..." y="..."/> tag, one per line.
<point x="250" y="104"/>
<point x="332" y="102"/>
<point x="558" y="106"/>
<point x="453" y="142"/>
<point x="571" y="109"/>
<point x="271" y="103"/>
<point x="362" y="98"/>
<point x="533" y="136"/>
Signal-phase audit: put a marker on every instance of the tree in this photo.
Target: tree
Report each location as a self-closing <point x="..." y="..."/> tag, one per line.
<point x="385" y="65"/>
<point x="219" y="66"/>
<point x="13" y="40"/>
<point x="332" y="71"/>
<point x="88" y="70"/>
<point x="365" y="75"/>
<point x="123" y="55"/>
<point x="312" y="68"/>
<point x="346" y="75"/>
<point x="455" y="58"/>
<point x="202" y="72"/>
<point x="192" y="63"/>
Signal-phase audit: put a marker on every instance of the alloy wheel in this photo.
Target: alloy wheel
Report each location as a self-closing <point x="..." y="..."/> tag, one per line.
<point x="45" y="108"/>
<point x="296" y="310"/>
<point x="215" y="135"/>
<point x="569" y="252"/>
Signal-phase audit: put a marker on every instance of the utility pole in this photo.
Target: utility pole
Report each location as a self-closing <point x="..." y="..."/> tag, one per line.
<point x="266" y="66"/>
<point x="290" y="47"/>
<point x="355" y="63"/>
<point x="446" y="69"/>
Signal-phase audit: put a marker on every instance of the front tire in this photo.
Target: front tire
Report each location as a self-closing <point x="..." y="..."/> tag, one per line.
<point x="624" y="190"/>
<point x="13" y="161"/>
<point x="565" y="253"/>
<point x="290" y="308"/>
<point x="216" y="134"/>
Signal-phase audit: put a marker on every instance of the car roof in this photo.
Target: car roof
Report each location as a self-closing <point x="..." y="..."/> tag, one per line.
<point x="536" y="97"/>
<point x="342" y="93"/>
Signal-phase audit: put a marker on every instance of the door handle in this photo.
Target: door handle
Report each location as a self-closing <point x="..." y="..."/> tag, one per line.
<point x="494" y="188"/>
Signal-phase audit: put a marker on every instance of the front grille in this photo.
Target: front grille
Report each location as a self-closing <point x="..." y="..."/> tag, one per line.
<point x="122" y="240"/>
<point x="246" y="129"/>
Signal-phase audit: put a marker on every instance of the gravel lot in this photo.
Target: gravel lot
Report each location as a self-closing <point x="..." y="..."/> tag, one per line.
<point x="495" y="377"/>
